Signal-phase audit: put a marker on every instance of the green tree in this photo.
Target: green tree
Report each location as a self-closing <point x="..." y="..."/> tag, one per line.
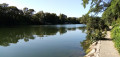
<point x="112" y="13"/>
<point x="62" y="18"/>
<point x="4" y="5"/>
<point x="96" y="26"/>
<point x="97" y="5"/>
<point x="39" y="17"/>
<point x="11" y="15"/>
<point x="31" y="11"/>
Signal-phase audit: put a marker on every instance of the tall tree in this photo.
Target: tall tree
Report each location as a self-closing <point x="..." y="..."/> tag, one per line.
<point x="25" y="10"/>
<point x="39" y="17"/>
<point x="31" y="11"/>
<point x="4" y="5"/>
<point x="62" y="18"/>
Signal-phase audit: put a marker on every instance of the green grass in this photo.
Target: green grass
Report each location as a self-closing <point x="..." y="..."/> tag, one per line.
<point x="115" y="34"/>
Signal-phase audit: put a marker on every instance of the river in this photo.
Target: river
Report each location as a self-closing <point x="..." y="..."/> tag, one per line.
<point x="42" y="41"/>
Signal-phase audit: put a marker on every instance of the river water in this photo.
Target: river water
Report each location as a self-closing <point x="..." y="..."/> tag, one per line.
<point x="42" y="41"/>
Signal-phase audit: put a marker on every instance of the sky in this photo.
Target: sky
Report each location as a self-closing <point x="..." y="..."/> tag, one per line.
<point x="71" y="8"/>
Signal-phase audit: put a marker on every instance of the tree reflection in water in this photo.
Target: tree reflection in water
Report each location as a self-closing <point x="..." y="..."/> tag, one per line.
<point x="14" y="34"/>
<point x="86" y="43"/>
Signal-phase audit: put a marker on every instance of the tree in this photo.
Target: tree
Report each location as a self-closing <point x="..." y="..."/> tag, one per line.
<point x="97" y="5"/>
<point x="84" y="19"/>
<point x="51" y="18"/>
<point x="62" y="18"/>
<point x="72" y="20"/>
<point x="112" y="13"/>
<point x="96" y="27"/>
<point x="25" y="10"/>
<point x="31" y="11"/>
<point x="39" y="17"/>
<point x="11" y="15"/>
<point x="4" y="5"/>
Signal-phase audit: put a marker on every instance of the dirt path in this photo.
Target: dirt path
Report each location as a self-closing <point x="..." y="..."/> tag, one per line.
<point x="107" y="48"/>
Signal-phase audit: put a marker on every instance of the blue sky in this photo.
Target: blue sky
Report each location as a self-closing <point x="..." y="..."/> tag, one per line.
<point x="72" y="8"/>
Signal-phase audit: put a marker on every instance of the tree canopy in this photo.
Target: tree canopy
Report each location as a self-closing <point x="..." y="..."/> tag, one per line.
<point x="11" y="15"/>
<point x="110" y="16"/>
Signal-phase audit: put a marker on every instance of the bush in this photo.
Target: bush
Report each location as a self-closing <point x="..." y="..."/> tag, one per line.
<point x="115" y="34"/>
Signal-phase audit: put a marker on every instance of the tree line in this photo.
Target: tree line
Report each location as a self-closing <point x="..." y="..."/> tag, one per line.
<point x="11" y="15"/>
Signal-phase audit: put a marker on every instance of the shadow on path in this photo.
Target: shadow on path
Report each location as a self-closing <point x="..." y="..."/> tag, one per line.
<point x="106" y="39"/>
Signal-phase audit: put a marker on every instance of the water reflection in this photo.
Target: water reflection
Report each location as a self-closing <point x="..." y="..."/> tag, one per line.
<point x="14" y="34"/>
<point x="86" y="43"/>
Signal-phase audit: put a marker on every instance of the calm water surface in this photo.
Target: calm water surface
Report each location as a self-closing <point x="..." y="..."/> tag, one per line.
<point x="42" y="41"/>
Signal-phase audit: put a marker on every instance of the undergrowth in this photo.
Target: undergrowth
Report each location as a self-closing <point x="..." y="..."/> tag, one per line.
<point x="115" y="34"/>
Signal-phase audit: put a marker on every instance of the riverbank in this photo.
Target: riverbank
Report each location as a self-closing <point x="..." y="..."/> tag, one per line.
<point x="103" y="48"/>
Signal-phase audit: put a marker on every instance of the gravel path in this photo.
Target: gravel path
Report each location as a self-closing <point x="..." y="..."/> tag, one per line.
<point x="107" y="48"/>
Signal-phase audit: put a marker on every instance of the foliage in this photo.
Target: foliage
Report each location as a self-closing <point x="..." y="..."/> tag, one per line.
<point x="112" y="17"/>
<point x="111" y="11"/>
<point x="86" y="43"/>
<point x="111" y="14"/>
<point x="84" y="19"/>
<point x="72" y="20"/>
<point x="96" y="28"/>
<point x="115" y="34"/>
<point x="11" y="15"/>
<point x="97" y="5"/>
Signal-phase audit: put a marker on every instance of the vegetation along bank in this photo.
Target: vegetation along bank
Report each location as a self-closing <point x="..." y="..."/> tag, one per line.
<point x="97" y="27"/>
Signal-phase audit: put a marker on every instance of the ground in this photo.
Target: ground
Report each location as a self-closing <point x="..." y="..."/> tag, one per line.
<point x="107" y="48"/>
